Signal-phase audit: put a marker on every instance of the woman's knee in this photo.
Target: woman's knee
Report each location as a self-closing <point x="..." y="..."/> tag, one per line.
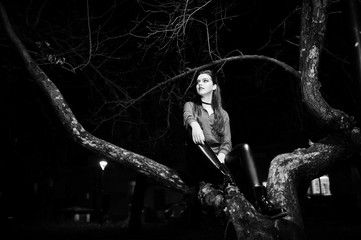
<point x="237" y="152"/>
<point x="241" y="148"/>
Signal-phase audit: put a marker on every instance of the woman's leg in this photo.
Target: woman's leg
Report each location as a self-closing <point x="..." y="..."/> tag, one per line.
<point x="212" y="159"/>
<point x="203" y="165"/>
<point x="255" y="192"/>
<point x="245" y="179"/>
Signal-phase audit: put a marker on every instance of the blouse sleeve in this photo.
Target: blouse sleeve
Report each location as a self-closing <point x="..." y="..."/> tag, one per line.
<point x="188" y="115"/>
<point x="226" y="145"/>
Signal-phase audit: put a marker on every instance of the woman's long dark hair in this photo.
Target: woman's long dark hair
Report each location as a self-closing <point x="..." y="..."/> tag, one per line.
<point x="218" y="125"/>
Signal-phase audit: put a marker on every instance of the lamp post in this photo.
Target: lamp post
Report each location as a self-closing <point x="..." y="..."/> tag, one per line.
<point x="102" y="165"/>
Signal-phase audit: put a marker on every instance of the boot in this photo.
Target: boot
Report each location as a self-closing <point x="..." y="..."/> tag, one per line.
<point x="264" y="206"/>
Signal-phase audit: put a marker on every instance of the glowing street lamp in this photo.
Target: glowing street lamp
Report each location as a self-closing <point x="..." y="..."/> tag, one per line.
<point x="102" y="165"/>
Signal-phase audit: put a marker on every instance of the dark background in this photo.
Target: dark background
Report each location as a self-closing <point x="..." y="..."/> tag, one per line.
<point x="43" y="172"/>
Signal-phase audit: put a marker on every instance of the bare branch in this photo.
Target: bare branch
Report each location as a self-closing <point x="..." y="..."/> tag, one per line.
<point x="89" y="35"/>
<point x="148" y="167"/>
<point x="217" y="62"/>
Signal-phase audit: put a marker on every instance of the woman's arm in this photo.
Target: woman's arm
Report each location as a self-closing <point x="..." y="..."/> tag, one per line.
<point x="190" y="121"/>
<point x="188" y="115"/>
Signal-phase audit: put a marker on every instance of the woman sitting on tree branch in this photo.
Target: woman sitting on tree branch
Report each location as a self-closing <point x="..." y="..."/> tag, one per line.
<point x="209" y="147"/>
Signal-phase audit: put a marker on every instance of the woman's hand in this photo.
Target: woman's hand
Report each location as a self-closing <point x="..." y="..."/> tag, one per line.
<point x="221" y="157"/>
<point x="197" y="133"/>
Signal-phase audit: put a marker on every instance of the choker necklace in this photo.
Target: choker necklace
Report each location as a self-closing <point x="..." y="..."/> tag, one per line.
<point x="206" y="103"/>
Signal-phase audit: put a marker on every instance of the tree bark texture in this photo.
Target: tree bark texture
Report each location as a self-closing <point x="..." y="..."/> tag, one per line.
<point x="289" y="170"/>
<point x="313" y="28"/>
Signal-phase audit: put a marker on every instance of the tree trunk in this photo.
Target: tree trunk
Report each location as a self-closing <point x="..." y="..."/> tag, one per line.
<point x="354" y="29"/>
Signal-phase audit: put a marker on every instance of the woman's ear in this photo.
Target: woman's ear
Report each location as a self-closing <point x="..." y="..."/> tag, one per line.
<point x="214" y="87"/>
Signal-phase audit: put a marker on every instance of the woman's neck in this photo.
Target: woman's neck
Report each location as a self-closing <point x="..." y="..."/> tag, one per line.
<point x="206" y="99"/>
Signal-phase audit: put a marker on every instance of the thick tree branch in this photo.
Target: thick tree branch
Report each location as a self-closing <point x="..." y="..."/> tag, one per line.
<point x="167" y="176"/>
<point x="248" y="223"/>
<point x="313" y="28"/>
<point x="287" y="171"/>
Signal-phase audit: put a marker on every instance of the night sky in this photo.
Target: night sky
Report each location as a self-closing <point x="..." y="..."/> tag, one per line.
<point x="42" y="169"/>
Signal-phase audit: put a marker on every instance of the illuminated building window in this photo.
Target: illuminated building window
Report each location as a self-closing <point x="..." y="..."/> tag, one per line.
<point x="320" y="186"/>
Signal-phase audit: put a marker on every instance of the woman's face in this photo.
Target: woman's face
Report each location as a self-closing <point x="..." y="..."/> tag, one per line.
<point x="205" y="84"/>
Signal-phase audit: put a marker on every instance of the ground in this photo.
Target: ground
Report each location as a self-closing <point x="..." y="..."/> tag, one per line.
<point x="317" y="228"/>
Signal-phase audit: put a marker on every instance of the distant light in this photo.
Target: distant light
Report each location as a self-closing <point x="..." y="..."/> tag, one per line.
<point x="103" y="164"/>
<point x="320" y="186"/>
